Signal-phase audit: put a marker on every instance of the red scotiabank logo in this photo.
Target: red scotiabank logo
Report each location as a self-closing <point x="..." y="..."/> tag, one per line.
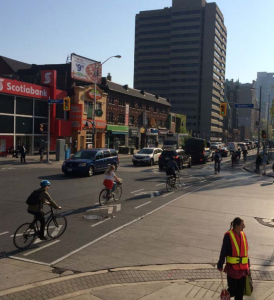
<point x="15" y="87"/>
<point x="47" y="77"/>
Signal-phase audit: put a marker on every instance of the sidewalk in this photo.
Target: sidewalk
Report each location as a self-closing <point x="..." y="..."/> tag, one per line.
<point x="147" y="283"/>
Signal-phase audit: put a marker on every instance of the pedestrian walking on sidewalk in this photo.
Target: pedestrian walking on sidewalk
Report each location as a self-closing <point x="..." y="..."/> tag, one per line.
<point x="41" y="153"/>
<point x="235" y="252"/>
<point x="258" y="162"/>
<point x="264" y="163"/>
<point x="23" y="153"/>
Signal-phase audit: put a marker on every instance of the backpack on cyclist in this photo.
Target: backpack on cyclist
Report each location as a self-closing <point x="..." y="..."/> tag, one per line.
<point x="216" y="158"/>
<point x="33" y="198"/>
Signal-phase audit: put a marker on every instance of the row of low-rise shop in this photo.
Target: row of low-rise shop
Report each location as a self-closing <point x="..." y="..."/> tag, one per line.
<point x="125" y="117"/>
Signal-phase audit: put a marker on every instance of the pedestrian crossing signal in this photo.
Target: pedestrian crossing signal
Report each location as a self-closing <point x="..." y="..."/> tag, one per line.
<point x="66" y="103"/>
<point x="223" y="109"/>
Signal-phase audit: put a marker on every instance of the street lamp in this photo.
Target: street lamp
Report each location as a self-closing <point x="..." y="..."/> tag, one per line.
<point x="95" y="83"/>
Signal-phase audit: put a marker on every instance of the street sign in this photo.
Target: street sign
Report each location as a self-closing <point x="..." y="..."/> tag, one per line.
<point x="244" y="105"/>
<point x="55" y="101"/>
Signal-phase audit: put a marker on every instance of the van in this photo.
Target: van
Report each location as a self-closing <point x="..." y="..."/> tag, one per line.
<point x="232" y="147"/>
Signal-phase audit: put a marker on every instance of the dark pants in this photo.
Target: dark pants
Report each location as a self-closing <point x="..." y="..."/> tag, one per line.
<point x="236" y="287"/>
<point x="218" y="166"/>
<point x="23" y="157"/>
<point x="257" y="168"/>
<point x="40" y="217"/>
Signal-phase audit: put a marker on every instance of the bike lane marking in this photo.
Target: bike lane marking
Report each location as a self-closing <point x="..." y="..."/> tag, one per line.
<point x="142" y="205"/>
<point x="160" y="184"/>
<point x="123" y="226"/>
<point x="4" y="233"/>
<point x="167" y="194"/>
<point x="100" y="222"/>
<point x="136" y="191"/>
<point x="40" y="248"/>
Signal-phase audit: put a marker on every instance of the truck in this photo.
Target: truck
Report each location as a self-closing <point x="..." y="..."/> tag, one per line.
<point x="174" y="141"/>
<point x="198" y="149"/>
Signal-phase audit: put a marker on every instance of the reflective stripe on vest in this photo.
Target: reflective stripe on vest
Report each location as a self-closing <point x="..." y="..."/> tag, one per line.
<point x="237" y="259"/>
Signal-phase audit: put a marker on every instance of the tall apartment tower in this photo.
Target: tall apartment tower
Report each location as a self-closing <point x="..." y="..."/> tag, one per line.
<point x="180" y="54"/>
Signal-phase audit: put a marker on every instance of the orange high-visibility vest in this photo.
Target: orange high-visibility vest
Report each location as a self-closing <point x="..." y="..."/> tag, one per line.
<point x="239" y="258"/>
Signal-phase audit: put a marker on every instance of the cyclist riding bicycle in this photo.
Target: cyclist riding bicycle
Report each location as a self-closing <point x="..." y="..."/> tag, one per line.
<point x="111" y="179"/>
<point x="245" y="153"/>
<point x="37" y="209"/>
<point x="238" y="152"/>
<point x="172" y="167"/>
<point x="234" y="158"/>
<point x="217" y="159"/>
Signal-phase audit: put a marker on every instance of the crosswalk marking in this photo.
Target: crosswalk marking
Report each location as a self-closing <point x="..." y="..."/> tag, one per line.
<point x="136" y="191"/>
<point x="4" y="233"/>
<point x="40" y="248"/>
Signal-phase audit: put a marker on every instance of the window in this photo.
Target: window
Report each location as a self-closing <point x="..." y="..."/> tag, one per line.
<point x="106" y="154"/>
<point x="24" y="125"/>
<point x="140" y="104"/>
<point x="131" y="120"/>
<point x="132" y="103"/>
<point x="160" y="123"/>
<point x="41" y="108"/>
<point x="98" y="105"/>
<point x="147" y="106"/>
<point x="110" y="117"/>
<point x="173" y="119"/>
<point x="6" y="124"/>
<point x="110" y="98"/>
<point x="113" y="152"/>
<point x="140" y="120"/>
<point x="6" y="105"/>
<point x="122" y="102"/>
<point x="154" y="107"/>
<point x="99" y="155"/>
<point x="121" y="118"/>
<point x="24" y="106"/>
<point x="88" y="109"/>
<point x="60" y="114"/>
<point x="37" y="122"/>
<point x="147" y="122"/>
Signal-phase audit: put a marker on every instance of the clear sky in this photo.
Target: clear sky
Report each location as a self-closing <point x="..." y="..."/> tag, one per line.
<point x="43" y="32"/>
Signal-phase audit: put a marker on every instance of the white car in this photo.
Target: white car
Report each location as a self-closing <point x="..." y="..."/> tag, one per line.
<point x="148" y="156"/>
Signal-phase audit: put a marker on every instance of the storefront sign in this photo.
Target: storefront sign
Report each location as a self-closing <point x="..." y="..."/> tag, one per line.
<point x="23" y="89"/>
<point x="127" y="114"/>
<point x="133" y="132"/>
<point x="99" y="93"/>
<point x="99" y="112"/>
<point x="84" y="69"/>
<point x="120" y="128"/>
<point x="152" y="131"/>
<point x="142" y="130"/>
<point x="47" y="77"/>
<point x="76" y="116"/>
<point x="98" y="124"/>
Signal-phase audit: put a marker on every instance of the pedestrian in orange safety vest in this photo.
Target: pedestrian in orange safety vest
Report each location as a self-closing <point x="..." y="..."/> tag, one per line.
<point x="235" y="252"/>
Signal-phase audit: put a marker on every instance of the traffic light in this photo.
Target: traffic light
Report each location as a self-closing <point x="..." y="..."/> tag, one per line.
<point x="44" y="127"/>
<point x="223" y="109"/>
<point x="263" y="134"/>
<point x="66" y="103"/>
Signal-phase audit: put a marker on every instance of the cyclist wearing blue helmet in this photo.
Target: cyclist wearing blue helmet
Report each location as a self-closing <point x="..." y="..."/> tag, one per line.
<point x="37" y="208"/>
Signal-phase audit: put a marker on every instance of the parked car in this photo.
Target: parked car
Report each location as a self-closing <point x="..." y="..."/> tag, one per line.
<point x="242" y="146"/>
<point x="180" y="155"/>
<point x="209" y="154"/>
<point x="232" y="146"/>
<point x="224" y="152"/>
<point x="148" y="156"/>
<point x="89" y="161"/>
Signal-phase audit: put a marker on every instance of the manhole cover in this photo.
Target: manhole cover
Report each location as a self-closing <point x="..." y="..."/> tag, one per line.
<point x="96" y="214"/>
<point x="265" y="222"/>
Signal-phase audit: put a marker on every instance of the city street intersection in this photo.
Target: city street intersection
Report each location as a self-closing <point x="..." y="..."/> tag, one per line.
<point x="148" y="226"/>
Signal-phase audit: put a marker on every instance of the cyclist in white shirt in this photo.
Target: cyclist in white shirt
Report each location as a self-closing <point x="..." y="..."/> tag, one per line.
<point x="111" y="179"/>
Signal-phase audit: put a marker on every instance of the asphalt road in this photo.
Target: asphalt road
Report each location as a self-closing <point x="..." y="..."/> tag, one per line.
<point x="144" y="191"/>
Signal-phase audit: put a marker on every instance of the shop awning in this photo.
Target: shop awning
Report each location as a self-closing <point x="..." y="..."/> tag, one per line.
<point x="119" y="132"/>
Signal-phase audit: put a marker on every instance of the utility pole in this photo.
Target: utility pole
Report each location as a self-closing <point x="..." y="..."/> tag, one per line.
<point x="259" y="136"/>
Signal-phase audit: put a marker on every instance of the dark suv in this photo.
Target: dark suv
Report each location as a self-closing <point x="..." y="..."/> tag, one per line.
<point x="181" y="158"/>
<point x="90" y="161"/>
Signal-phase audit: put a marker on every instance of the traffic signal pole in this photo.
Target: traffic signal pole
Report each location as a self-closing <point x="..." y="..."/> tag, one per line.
<point x="48" y="133"/>
<point x="259" y="136"/>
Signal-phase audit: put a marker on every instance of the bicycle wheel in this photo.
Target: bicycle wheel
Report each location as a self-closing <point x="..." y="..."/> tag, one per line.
<point x="24" y="236"/>
<point x="57" y="225"/>
<point x="178" y="180"/>
<point x="169" y="183"/>
<point x="104" y="197"/>
<point x="117" y="193"/>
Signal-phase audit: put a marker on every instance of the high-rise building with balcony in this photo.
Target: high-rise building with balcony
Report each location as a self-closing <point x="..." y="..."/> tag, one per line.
<point x="180" y="54"/>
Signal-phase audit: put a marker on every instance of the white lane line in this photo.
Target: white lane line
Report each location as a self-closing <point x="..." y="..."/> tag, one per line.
<point x="142" y="193"/>
<point x="203" y="181"/>
<point x="168" y="194"/>
<point x="97" y="203"/>
<point x="4" y="233"/>
<point x="99" y="223"/>
<point x="125" y="225"/>
<point x="142" y="205"/>
<point x="29" y="260"/>
<point x="160" y="184"/>
<point x="136" y="191"/>
<point x="188" y="187"/>
<point x="110" y="210"/>
<point x="40" y="248"/>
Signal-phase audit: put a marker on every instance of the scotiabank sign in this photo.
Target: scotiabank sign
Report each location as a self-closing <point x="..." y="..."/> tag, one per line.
<point x="15" y="87"/>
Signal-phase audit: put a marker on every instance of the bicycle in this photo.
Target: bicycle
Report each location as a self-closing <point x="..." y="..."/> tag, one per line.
<point x="172" y="183"/>
<point x="216" y="168"/>
<point x="106" y="195"/>
<point x="26" y="233"/>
